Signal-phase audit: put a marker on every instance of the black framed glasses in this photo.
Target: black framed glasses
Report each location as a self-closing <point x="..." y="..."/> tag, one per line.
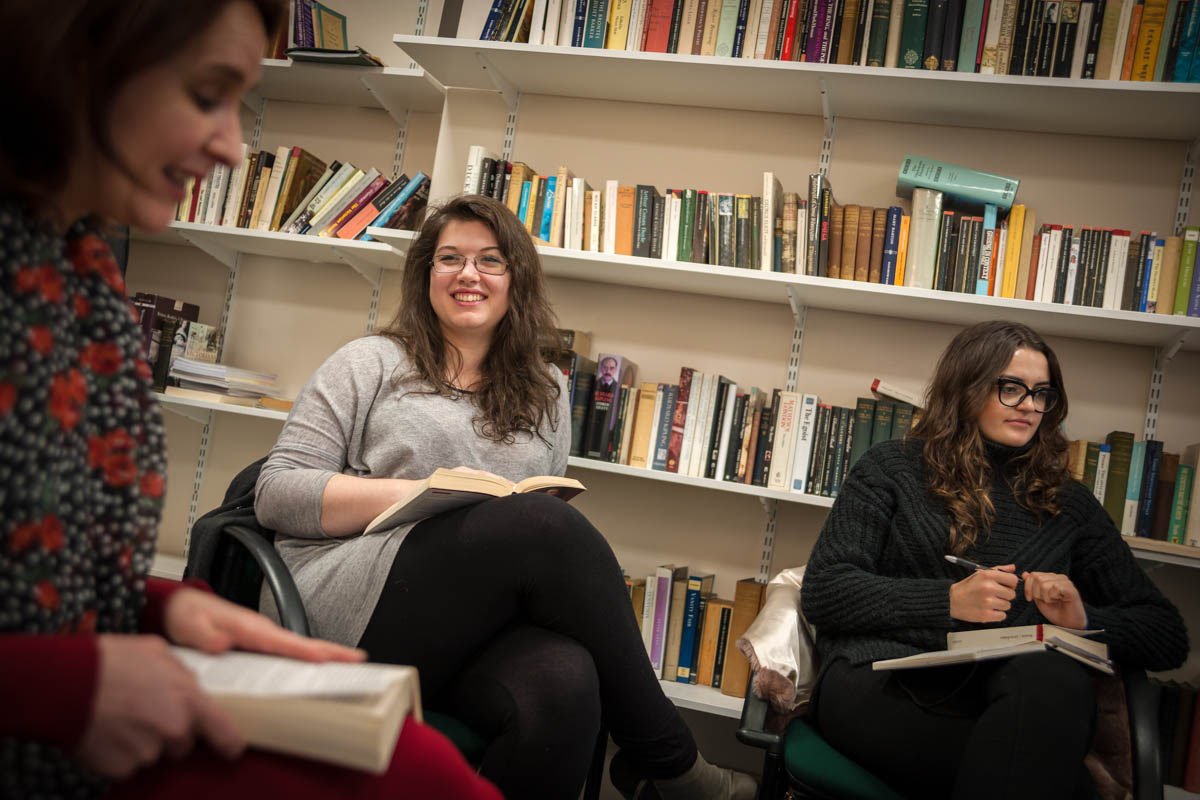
<point x="486" y="263"/>
<point x="1012" y="393"/>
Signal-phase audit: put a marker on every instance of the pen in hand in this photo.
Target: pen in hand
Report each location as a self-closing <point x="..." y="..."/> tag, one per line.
<point x="965" y="562"/>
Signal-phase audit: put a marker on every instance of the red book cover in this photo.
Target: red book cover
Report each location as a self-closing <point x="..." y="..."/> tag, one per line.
<point x="1034" y="256"/>
<point x="987" y="4"/>
<point x="789" y="35"/>
<point x="658" y="26"/>
<point x="679" y="419"/>
<point x="195" y="200"/>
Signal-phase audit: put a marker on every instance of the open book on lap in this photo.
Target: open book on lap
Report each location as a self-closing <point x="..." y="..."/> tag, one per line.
<point x="991" y="643"/>
<point x="446" y="490"/>
<point x="346" y="714"/>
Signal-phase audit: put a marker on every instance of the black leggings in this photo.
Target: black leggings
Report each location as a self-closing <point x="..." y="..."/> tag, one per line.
<point x="998" y="729"/>
<point x="517" y="616"/>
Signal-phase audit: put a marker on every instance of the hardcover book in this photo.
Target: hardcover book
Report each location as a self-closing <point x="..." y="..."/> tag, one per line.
<point x="983" y="645"/>
<point x="447" y="489"/>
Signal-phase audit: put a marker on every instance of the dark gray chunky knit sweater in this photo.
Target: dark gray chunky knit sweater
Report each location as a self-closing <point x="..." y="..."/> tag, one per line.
<point x="877" y="585"/>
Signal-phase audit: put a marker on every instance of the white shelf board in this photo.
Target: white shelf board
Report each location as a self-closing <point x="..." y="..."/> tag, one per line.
<point x="401" y="240"/>
<point x="1053" y="319"/>
<point x="703" y="483"/>
<point x="318" y="249"/>
<point x="1164" y="552"/>
<point x="702" y="698"/>
<point x="1054" y="105"/>
<point x="172" y="403"/>
<point x="393" y="89"/>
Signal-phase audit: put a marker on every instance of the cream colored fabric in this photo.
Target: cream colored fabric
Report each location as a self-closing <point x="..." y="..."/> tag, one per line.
<point x="779" y="644"/>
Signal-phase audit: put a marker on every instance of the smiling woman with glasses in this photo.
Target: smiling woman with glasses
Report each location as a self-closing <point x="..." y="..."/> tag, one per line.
<point x="514" y="610"/>
<point x="984" y="476"/>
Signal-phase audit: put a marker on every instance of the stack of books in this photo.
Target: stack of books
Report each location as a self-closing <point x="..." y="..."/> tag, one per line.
<point x="1141" y="40"/>
<point x="222" y="379"/>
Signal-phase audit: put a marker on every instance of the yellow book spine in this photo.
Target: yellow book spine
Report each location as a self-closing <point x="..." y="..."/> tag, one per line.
<point x="902" y="249"/>
<point x="1012" y="256"/>
<point x="618" y="24"/>
<point x="1150" y="34"/>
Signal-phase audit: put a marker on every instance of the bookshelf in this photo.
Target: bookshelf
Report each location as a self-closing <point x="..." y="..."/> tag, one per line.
<point x="1126" y="327"/>
<point x="1047" y="105"/>
<point x="184" y="406"/>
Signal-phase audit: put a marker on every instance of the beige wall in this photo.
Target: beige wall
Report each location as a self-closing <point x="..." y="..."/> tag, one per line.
<point x="288" y="316"/>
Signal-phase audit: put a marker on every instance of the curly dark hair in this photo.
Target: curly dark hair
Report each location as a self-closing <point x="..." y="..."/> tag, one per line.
<point x="65" y="65"/>
<point x="958" y="471"/>
<point x="517" y="389"/>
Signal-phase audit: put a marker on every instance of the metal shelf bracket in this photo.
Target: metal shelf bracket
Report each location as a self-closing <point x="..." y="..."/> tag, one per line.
<point x="507" y="90"/>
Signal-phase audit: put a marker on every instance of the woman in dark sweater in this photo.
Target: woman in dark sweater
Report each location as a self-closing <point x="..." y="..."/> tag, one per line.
<point x="984" y="476"/>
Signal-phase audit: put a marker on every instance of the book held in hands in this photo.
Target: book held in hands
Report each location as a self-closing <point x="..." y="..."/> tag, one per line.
<point x="447" y="489"/>
<point x="345" y="714"/>
<point x="990" y="643"/>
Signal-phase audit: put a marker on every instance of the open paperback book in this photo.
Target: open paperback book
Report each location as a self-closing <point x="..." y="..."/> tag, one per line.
<point x="446" y="490"/>
<point x="983" y="645"/>
<point x="347" y="714"/>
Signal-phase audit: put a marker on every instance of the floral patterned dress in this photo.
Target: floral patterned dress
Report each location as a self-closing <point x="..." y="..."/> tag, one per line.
<point x="82" y="465"/>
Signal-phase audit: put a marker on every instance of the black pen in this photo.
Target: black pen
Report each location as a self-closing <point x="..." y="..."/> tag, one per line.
<point x="966" y="562"/>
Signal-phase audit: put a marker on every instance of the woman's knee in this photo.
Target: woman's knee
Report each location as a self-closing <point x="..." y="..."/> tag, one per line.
<point x="1050" y="681"/>
<point x="550" y="523"/>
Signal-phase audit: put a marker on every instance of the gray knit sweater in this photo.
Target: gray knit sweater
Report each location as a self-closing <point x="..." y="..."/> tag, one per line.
<point x="360" y="415"/>
<point x="877" y="585"/>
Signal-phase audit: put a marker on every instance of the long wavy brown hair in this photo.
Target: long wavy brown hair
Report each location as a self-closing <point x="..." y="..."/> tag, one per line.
<point x="516" y="390"/>
<point x="958" y="470"/>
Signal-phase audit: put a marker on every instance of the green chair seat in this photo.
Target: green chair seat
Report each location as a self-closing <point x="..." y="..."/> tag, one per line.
<point x="811" y="761"/>
<point x="466" y="740"/>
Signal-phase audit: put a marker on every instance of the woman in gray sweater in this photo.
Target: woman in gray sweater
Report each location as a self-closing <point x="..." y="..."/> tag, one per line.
<point x="984" y="476"/>
<point x="514" y="609"/>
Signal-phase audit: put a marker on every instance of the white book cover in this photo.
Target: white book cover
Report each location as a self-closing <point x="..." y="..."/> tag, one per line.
<point x="1123" y="23"/>
<point x="891" y="57"/>
<point x="648" y="614"/>
<point x="772" y="207"/>
<point x="202" y="199"/>
<point x="475" y="156"/>
<point x="282" y="154"/>
<point x="783" y="446"/>
<point x="764" y="28"/>
<point x="236" y="185"/>
<point x="341" y="199"/>
<point x="1072" y="271"/>
<point x="689" y="420"/>
<point x="802" y="240"/>
<point x="1102" y="462"/>
<point x="568" y="217"/>
<point x="335" y="183"/>
<point x="537" y="25"/>
<point x="1081" y="39"/>
<point x="551" y="28"/>
<point x="753" y="26"/>
<point x="593" y="243"/>
<point x="630" y="409"/>
<point x="674" y="204"/>
<point x="637" y="16"/>
<point x="656" y="423"/>
<point x="731" y="392"/>
<point x="1049" y="268"/>
<point x="217" y="210"/>
<point x="1043" y="254"/>
<point x="610" y="216"/>
<point x="805" y="431"/>
<point x="703" y="427"/>
<point x="580" y="189"/>
<point x="998" y="259"/>
<point x="1114" y="284"/>
<point x="922" y="238"/>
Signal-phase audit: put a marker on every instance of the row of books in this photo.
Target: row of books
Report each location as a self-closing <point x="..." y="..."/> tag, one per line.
<point x="315" y="32"/>
<point x="293" y="191"/>
<point x="691" y="634"/>
<point x="1147" y="492"/>
<point x="1179" y="735"/>
<point x="1107" y="39"/>
<point x="1010" y="255"/>
<point x="706" y="426"/>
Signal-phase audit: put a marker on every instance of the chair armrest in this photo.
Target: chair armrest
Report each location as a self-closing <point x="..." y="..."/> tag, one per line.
<point x="752" y="727"/>
<point x="287" y="597"/>
<point x="1142" y="698"/>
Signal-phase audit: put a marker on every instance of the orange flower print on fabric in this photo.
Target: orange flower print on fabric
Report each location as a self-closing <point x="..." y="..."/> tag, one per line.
<point x="152" y="485"/>
<point x="91" y="254"/>
<point x="41" y="339"/>
<point x="46" y="595"/>
<point x="68" y="392"/>
<point x="102" y="358"/>
<point x="8" y="398"/>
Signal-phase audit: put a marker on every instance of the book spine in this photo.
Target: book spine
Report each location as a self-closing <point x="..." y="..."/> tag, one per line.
<point x="1180" y="504"/>
<point x="687" y="639"/>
